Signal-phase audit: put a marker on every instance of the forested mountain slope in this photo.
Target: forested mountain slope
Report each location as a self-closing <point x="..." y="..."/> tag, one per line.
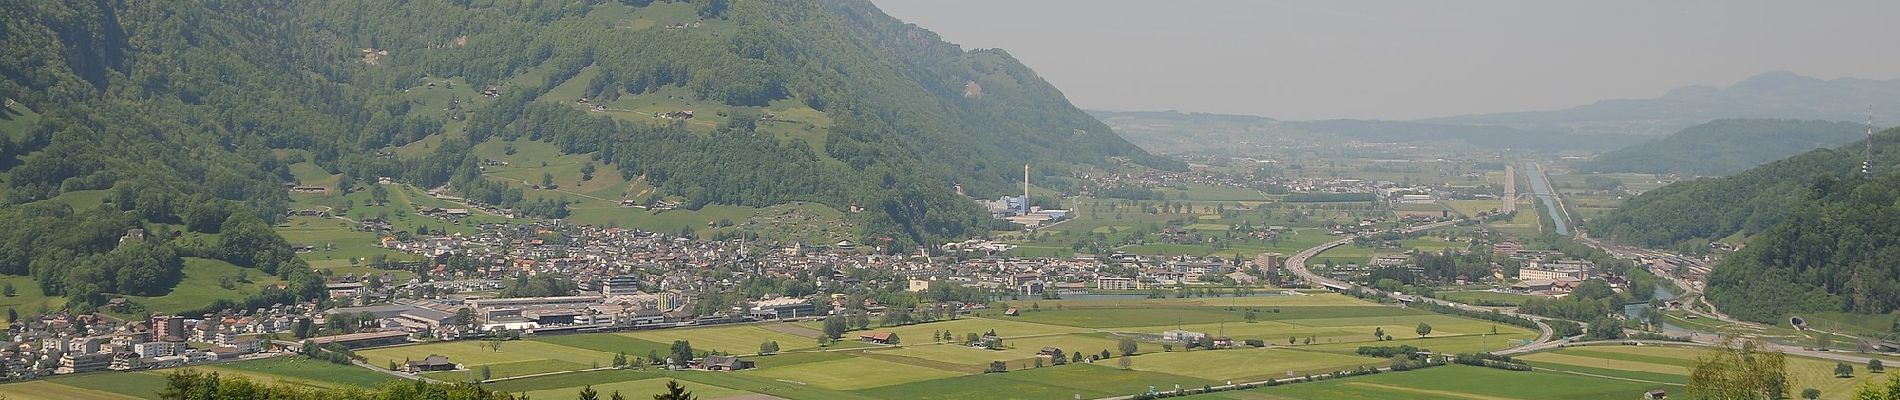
<point x="191" y="116"/>
<point x="1691" y="213"/>
<point x="1838" y="249"/>
<point x="1727" y="146"/>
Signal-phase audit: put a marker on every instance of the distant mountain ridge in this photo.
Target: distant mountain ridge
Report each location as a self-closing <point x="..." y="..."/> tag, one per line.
<point x="1727" y="146"/>
<point x="1778" y="94"/>
<point x="1173" y="132"/>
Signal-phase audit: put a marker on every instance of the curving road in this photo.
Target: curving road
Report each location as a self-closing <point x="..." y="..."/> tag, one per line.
<point x="1297" y="265"/>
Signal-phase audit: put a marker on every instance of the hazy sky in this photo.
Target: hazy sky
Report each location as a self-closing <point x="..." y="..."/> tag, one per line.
<point x="1409" y="59"/>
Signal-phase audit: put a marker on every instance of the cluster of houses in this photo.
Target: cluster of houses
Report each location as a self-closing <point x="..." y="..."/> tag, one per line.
<point x="65" y="343"/>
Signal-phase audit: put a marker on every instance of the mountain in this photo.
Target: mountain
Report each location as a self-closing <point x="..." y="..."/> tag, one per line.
<point x="1689" y="214"/>
<point x="189" y="120"/>
<point x="1769" y="95"/>
<point x="1837" y="250"/>
<point x="1726" y="146"/>
<point x="1172" y="132"/>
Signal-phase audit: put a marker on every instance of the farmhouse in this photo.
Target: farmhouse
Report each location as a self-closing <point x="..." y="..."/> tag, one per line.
<point x="724" y="363"/>
<point x="434" y="362"/>
<point x="879" y="337"/>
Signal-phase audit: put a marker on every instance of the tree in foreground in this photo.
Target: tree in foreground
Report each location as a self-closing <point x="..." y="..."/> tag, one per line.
<point x="1873" y="391"/>
<point x="1739" y="369"/>
<point x="588" y="393"/>
<point x="675" y="392"/>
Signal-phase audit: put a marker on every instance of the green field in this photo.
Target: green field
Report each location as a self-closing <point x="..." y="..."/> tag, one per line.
<point x="200" y="286"/>
<point x="1454" y="382"/>
<point x="27" y="298"/>
<point x="637" y="389"/>
<point x="303" y="371"/>
<point x="1485" y="297"/>
<point x="1672" y="364"/>
<point x="1088" y="381"/>
<point x="514" y="358"/>
<point x="855" y="373"/>
<point x="736" y="339"/>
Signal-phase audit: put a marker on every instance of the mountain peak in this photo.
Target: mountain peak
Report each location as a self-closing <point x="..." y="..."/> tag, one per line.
<point x="1776" y="80"/>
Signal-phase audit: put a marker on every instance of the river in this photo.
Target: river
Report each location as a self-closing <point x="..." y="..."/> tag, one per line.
<point x="1541" y="187"/>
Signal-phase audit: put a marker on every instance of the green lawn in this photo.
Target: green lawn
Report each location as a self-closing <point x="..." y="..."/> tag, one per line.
<point x="47" y="390"/>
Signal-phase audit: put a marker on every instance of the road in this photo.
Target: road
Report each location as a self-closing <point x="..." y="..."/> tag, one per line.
<point x="1297" y="265"/>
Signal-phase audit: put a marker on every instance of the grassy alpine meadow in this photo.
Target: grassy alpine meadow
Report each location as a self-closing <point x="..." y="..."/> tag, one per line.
<point x="1053" y="382"/>
<point x="1455" y="382"/>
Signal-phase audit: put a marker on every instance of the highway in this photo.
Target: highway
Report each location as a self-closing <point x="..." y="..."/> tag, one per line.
<point x="1297" y="265"/>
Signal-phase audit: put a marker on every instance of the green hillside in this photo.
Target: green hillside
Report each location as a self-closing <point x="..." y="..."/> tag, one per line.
<point x="1727" y="146"/>
<point x="1837" y="250"/>
<point x="1689" y="214"/>
<point x="191" y="119"/>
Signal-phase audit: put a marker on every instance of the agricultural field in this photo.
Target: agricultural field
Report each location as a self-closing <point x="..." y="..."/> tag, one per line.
<point x="147" y="384"/>
<point x="1486" y="297"/>
<point x="1453" y="382"/>
<point x="1671" y="365"/>
<point x="513" y="358"/>
<point x="734" y="339"/>
<point x="1130" y="226"/>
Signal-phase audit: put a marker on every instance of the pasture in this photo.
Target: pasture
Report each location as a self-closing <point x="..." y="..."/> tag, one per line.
<point x="1671" y="364"/>
<point x="1454" y="382"/>
<point x="735" y="339"/>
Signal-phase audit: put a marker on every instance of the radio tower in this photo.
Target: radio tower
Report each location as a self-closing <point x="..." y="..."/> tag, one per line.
<point x="1867" y="159"/>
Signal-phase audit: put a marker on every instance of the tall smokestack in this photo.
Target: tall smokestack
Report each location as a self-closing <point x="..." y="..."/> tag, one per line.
<point x="1025" y="188"/>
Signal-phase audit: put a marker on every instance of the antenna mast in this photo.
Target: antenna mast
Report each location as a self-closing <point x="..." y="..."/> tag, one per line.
<point x="1867" y="159"/>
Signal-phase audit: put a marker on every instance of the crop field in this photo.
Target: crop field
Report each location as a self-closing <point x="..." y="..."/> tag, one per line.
<point x="1454" y="382"/>
<point x="1671" y="364"/>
